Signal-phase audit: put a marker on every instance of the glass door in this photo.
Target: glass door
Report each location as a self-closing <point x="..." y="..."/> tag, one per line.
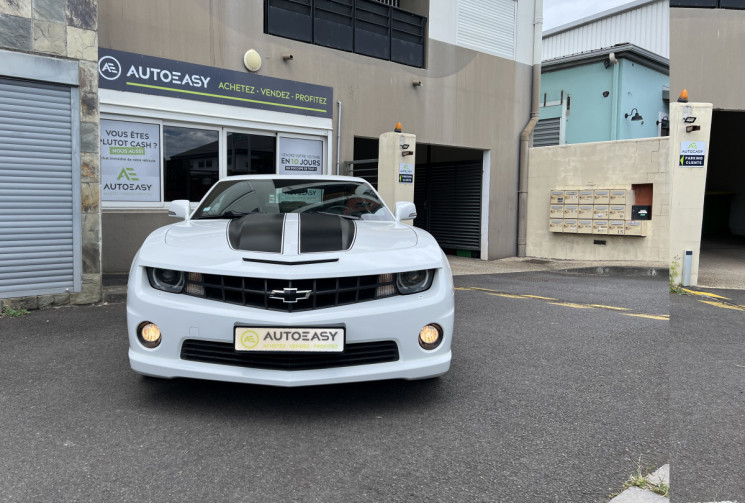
<point x="250" y="154"/>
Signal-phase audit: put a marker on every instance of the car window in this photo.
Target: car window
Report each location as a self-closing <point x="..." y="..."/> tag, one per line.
<point x="234" y="198"/>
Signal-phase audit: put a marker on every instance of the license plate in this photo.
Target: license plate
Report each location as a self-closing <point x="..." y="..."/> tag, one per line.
<point x="289" y="339"/>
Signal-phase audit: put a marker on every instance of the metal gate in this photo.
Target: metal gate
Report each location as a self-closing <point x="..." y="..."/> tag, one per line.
<point x="39" y="209"/>
<point x="448" y="201"/>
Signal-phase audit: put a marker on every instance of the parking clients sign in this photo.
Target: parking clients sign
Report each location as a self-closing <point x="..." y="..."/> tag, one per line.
<point x="692" y="154"/>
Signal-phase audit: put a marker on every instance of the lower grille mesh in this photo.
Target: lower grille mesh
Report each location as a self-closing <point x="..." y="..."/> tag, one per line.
<point x="222" y="353"/>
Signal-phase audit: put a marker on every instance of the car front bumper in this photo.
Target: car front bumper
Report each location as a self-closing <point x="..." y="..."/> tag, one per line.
<point x="182" y="317"/>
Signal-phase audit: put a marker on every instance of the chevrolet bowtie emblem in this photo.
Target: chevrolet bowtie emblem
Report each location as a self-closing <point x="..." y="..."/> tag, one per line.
<point x="290" y="295"/>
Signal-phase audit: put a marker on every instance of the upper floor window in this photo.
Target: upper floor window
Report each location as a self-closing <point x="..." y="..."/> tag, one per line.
<point x="712" y="4"/>
<point x="372" y="28"/>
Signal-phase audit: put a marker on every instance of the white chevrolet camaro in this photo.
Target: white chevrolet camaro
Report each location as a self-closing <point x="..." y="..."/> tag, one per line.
<point x="290" y="281"/>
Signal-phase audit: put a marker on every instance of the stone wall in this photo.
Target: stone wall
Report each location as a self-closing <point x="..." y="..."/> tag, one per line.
<point x="66" y="29"/>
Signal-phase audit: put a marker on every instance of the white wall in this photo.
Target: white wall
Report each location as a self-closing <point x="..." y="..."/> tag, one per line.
<point x="444" y="22"/>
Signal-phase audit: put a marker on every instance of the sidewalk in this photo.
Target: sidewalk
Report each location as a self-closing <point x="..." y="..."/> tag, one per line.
<point x="462" y="266"/>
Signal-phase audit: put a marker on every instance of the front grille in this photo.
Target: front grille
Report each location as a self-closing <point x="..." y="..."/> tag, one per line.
<point x="257" y="292"/>
<point x="222" y="353"/>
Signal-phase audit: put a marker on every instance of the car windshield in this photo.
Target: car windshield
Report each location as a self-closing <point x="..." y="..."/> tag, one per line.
<point x="348" y="199"/>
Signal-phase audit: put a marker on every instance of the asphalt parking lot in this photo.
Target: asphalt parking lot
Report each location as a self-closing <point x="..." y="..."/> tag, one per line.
<point x="707" y="366"/>
<point x="558" y="384"/>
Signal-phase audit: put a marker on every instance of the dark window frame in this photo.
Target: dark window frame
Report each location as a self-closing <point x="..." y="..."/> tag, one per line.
<point x="709" y="4"/>
<point x="364" y="27"/>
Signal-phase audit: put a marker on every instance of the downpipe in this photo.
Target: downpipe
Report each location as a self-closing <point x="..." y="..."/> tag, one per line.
<point x="527" y="132"/>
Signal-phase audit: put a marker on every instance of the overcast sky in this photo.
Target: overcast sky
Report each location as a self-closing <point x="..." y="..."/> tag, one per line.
<point x="559" y="12"/>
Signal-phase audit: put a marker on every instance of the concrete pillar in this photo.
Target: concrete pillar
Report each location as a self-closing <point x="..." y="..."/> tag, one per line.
<point x="396" y="161"/>
<point x="688" y="175"/>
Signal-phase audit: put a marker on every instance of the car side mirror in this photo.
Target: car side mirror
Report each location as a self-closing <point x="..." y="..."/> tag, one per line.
<point x="179" y="209"/>
<point x="405" y="211"/>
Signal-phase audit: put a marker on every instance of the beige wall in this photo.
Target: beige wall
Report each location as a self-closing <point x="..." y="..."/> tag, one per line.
<point x="603" y="165"/>
<point x="468" y="99"/>
<point x="688" y="187"/>
<point x="705" y="56"/>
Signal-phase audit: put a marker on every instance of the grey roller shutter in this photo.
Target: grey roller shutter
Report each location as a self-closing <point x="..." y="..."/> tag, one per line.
<point x="547" y="133"/>
<point x="39" y="237"/>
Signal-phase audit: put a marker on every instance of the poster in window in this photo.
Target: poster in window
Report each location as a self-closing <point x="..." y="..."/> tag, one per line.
<point x="300" y="157"/>
<point x="130" y="161"/>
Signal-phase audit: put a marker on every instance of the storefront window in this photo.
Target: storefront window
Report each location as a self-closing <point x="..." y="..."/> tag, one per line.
<point x="191" y="162"/>
<point x="250" y="154"/>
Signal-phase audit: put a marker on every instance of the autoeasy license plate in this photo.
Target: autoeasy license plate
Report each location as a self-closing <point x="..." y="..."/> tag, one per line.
<point x="289" y="339"/>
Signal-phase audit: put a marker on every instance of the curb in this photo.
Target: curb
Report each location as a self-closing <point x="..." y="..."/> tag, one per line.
<point x="115" y="295"/>
<point x="619" y="271"/>
<point x="638" y="495"/>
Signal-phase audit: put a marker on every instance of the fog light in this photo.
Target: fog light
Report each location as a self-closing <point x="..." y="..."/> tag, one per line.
<point x="430" y="336"/>
<point x="149" y="334"/>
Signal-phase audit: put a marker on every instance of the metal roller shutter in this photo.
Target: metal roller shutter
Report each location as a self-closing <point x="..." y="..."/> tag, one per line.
<point x="454" y="208"/>
<point x="37" y="211"/>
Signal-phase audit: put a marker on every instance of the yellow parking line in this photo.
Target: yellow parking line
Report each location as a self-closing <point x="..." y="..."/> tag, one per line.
<point x="609" y="307"/>
<point x="704" y="294"/>
<point x="571" y="304"/>
<point x="507" y="295"/>
<point x="663" y="317"/>
<point x="476" y="289"/>
<point x="723" y="305"/>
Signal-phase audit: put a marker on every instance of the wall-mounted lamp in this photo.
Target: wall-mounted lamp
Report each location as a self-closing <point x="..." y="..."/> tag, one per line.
<point x="252" y="60"/>
<point x="417" y="83"/>
<point x="634" y="116"/>
<point x="664" y="121"/>
<point x="690" y="119"/>
<point x="288" y="57"/>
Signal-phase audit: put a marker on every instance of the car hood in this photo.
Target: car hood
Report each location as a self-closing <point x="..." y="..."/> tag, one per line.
<point x="268" y="245"/>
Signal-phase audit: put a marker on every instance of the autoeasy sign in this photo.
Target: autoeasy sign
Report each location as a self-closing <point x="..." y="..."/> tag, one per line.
<point x="692" y="154"/>
<point x="125" y="71"/>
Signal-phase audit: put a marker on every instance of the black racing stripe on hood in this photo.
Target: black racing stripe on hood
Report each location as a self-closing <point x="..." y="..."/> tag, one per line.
<point x="325" y="233"/>
<point x="257" y="232"/>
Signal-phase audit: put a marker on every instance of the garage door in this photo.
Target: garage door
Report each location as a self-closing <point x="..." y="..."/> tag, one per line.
<point x="448" y="200"/>
<point x="39" y="237"/>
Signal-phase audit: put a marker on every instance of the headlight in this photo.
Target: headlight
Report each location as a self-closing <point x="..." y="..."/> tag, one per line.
<point x="414" y="281"/>
<point x="167" y="280"/>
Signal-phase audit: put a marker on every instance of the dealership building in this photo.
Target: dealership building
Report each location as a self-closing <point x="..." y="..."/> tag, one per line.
<point x="190" y="92"/>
